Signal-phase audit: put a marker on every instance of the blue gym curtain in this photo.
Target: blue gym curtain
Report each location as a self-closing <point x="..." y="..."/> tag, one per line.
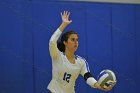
<point x="109" y="38"/>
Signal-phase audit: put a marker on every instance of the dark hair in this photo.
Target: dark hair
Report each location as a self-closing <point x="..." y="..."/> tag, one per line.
<point x="64" y="37"/>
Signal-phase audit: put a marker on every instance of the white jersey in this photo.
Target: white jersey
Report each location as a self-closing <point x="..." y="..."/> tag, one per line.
<point x="64" y="73"/>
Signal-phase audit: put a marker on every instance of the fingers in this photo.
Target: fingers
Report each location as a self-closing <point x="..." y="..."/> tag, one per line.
<point x="68" y="14"/>
<point x="61" y="14"/>
<point x="107" y="89"/>
<point x="65" y="17"/>
<point x="65" y="13"/>
<point x="104" y="89"/>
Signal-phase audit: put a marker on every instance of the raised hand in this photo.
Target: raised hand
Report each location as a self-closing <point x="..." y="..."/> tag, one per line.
<point x="65" y="17"/>
<point x="65" y="20"/>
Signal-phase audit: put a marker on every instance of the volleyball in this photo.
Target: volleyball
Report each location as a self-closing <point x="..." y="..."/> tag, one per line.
<point x="106" y="79"/>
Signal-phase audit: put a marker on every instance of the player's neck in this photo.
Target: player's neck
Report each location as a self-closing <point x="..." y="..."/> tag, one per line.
<point x="69" y="54"/>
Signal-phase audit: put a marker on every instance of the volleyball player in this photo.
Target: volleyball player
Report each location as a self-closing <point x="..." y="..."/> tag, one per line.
<point x="66" y="66"/>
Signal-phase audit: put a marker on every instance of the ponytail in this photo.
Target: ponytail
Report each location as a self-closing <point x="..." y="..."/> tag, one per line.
<point x="61" y="46"/>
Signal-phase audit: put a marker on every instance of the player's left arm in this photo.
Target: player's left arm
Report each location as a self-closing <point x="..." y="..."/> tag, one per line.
<point x="90" y="80"/>
<point x="85" y="72"/>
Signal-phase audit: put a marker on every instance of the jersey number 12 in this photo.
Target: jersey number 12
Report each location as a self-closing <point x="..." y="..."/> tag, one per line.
<point x="66" y="77"/>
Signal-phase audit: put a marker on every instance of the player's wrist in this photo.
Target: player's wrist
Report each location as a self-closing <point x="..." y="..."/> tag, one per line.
<point x="95" y="85"/>
<point x="64" y="23"/>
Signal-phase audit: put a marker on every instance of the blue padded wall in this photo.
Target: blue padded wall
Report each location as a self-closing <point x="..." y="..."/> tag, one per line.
<point x="109" y="38"/>
<point x="124" y="46"/>
<point x="16" y="55"/>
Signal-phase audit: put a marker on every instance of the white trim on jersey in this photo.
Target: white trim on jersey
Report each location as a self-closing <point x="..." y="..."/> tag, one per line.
<point x="87" y="66"/>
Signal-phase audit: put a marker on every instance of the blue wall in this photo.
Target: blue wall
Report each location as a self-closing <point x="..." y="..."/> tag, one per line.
<point x="109" y="38"/>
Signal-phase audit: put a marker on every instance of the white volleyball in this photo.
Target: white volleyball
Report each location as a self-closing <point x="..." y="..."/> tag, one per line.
<point x="106" y="79"/>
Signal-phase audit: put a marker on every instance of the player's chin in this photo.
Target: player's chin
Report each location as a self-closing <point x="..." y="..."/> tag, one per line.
<point x="75" y="49"/>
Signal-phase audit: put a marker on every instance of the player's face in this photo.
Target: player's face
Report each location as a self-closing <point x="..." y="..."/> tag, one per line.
<point x="72" y="43"/>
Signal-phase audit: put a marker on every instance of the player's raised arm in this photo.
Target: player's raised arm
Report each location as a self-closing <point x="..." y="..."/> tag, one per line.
<point x="53" y="41"/>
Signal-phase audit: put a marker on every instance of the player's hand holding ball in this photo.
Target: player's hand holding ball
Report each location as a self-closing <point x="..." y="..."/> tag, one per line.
<point x="106" y="80"/>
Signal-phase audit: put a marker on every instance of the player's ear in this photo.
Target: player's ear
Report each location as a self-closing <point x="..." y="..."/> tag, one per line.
<point x="64" y="42"/>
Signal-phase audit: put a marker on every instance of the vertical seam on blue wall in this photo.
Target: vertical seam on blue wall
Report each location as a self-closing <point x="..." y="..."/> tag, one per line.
<point x="33" y="63"/>
<point x="86" y="34"/>
<point x="135" y="36"/>
<point x="111" y="30"/>
<point x="21" y="9"/>
<point x="33" y="66"/>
